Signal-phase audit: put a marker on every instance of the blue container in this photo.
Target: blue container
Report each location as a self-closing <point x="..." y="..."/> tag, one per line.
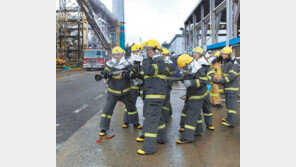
<point x="209" y="86"/>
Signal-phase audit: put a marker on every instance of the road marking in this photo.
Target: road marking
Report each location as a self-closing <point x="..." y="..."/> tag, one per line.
<point x="80" y="108"/>
<point x="96" y="98"/>
<point x="58" y="146"/>
<point x="68" y="76"/>
<point x="57" y="125"/>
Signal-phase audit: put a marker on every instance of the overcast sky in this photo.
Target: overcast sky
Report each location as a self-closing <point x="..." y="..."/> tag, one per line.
<point x="154" y="19"/>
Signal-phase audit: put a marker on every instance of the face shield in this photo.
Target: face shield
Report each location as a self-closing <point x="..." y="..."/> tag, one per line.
<point x="196" y="55"/>
<point x="136" y="52"/>
<point x="116" y="57"/>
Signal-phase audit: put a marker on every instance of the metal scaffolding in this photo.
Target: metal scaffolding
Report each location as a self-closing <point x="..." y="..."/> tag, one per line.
<point x="70" y="23"/>
<point x="208" y="19"/>
<point x="82" y="24"/>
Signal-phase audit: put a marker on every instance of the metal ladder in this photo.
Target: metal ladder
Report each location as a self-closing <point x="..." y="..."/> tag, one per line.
<point x="88" y="11"/>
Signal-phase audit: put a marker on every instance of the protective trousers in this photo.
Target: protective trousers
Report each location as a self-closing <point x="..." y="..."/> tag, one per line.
<point x="192" y="114"/>
<point x="230" y="99"/>
<point x="154" y="125"/>
<point x="170" y="104"/>
<point x="183" y="114"/>
<point x="215" y="97"/>
<point x="207" y="111"/>
<point x="166" y="109"/>
<point x="110" y="105"/>
<point x="132" y="117"/>
<point x="199" y="125"/>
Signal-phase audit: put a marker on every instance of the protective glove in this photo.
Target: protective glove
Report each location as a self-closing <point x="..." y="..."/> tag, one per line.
<point x="187" y="83"/>
<point x="126" y="75"/>
<point x="216" y="81"/>
<point x="140" y="82"/>
<point x="105" y="74"/>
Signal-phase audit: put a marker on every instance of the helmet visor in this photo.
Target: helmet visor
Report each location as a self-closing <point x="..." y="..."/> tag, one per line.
<point x="117" y="55"/>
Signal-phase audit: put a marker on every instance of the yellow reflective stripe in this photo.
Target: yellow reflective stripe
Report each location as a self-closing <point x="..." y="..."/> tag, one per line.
<point x="231" y="111"/>
<point x="226" y="78"/>
<point x="197" y="83"/>
<point x="235" y="89"/>
<point x="235" y="73"/>
<point x="150" y="134"/>
<point x="208" y="114"/>
<point x="117" y="77"/>
<point x="125" y="110"/>
<point x="190" y="127"/>
<point x="106" y="68"/>
<point x="132" y="113"/>
<point x="106" y="116"/>
<point x="166" y="108"/>
<point x="210" y="72"/>
<point x="199" y="121"/>
<point x="161" y="126"/>
<point x="126" y="90"/>
<point x="168" y="69"/>
<point x="171" y="73"/>
<point x="183" y="115"/>
<point x="218" y="72"/>
<point x="141" y="92"/>
<point x="198" y="97"/>
<point x="135" y="87"/>
<point x="114" y="91"/>
<point x="225" y="74"/>
<point x="142" y="72"/>
<point x="156" y="69"/>
<point x="117" y="91"/>
<point x="204" y="78"/>
<point x="157" y="76"/>
<point x="155" y="96"/>
<point x="214" y="94"/>
<point x="210" y="78"/>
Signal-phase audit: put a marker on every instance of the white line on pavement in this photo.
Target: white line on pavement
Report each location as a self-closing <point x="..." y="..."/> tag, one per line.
<point x="96" y="98"/>
<point x="80" y="108"/>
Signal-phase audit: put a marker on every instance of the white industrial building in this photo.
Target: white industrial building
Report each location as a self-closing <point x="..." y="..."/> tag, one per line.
<point x="177" y="44"/>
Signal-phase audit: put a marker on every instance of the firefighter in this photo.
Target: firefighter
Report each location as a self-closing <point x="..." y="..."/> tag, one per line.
<point x="154" y="71"/>
<point x="119" y="87"/>
<point x="136" y="61"/>
<point x="217" y="67"/>
<point x="167" y="108"/>
<point x="196" y="91"/>
<point x="230" y="81"/>
<point x="197" y="54"/>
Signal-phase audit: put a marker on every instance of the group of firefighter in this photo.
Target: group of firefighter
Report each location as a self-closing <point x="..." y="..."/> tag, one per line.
<point x="146" y="73"/>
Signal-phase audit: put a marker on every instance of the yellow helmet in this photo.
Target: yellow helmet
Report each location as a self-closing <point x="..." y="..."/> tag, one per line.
<point x="198" y="50"/>
<point x="117" y="49"/>
<point x="184" y="59"/>
<point x="217" y="54"/>
<point x="165" y="51"/>
<point x="142" y="45"/>
<point x="153" y="44"/>
<point x="227" y="50"/>
<point x="135" y="48"/>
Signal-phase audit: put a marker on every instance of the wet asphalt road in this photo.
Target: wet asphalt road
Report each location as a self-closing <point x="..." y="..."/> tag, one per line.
<point x="78" y="98"/>
<point x="215" y="148"/>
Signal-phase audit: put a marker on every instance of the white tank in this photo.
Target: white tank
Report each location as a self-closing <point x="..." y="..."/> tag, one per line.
<point x="118" y="9"/>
